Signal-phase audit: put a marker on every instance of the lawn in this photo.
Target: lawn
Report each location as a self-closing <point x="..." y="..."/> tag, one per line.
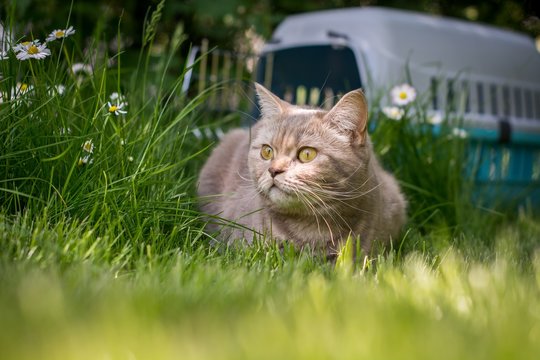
<point x="103" y="253"/>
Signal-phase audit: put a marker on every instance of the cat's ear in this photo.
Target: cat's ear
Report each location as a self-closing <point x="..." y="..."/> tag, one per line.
<point x="350" y="115"/>
<point x="271" y="105"/>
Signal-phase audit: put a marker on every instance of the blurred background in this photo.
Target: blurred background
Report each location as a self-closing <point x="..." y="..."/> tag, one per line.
<point x="235" y="24"/>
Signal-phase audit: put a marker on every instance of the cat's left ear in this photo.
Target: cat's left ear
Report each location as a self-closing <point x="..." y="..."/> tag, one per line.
<point x="271" y="105"/>
<point x="350" y="115"/>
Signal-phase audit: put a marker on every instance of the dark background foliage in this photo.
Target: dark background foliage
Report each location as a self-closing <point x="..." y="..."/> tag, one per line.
<point x="224" y="22"/>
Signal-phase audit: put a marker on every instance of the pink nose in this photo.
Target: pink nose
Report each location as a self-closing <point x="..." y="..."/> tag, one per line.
<point x="275" y="171"/>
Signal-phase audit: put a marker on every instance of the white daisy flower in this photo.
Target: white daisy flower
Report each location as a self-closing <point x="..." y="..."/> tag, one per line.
<point x="116" y="109"/>
<point x="4" y="55"/>
<point x="85" y="160"/>
<point x="80" y="67"/>
<point x="57" y="90"/>
<point x="219" y="133"/>
<point x="434" y="119"/>
<point x="23" y="46"/>
<point x="33" y="50"/>
<point x="403" y="94"/>
<point x="23" y="88"/>
<point x="20" y="89"/>
<point x="460" y="133"/>
<point x="88" y="146"/>
<point x="198" y="134"/>
<point x="65" y="131"/>
<point x="118" y="98"/>
<point x="393" y="112"/>
<point x="59" y="34"/>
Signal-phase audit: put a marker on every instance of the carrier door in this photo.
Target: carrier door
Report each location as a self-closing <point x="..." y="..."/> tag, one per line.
<point x="310" y="75"/>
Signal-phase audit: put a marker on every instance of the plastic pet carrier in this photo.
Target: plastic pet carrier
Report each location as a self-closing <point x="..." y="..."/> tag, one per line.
<point x="490" y="75"/>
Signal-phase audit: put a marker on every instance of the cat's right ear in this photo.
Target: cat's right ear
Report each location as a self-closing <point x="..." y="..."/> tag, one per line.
<point x="271" y="105"/>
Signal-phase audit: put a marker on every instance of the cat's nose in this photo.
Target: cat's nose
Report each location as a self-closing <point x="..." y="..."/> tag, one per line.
<point x="275" y="171"/>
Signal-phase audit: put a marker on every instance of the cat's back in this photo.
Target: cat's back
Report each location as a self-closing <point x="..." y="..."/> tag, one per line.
<point x="221" y="172"/>
<point x="392" y="205"/>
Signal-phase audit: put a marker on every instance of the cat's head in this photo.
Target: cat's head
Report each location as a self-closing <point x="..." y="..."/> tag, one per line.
<point x="307" y="161"/>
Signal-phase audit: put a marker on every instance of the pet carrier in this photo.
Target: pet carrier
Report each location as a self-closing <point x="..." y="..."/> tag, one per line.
<point x="489" y="75"/>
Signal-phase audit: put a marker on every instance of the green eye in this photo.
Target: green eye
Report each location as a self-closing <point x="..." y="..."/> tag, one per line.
<point x="267" y="153"/>
<point x="307" y="154"/>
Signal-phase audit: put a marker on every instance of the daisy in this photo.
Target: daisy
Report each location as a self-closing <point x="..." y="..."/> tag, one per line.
<point x="198" y="133"/>
<point x="65" y="131"/>
<point x="460" y="133"/>
<point x="393" y="112"/>
<point x="116" y="109"/>
<point x="85" y="160"/>
<point x="4" y="55"/>
<point x="59" y="34"/>
<point x="80" y="67"/>
<point x="20" y="89"/>
<point x="434" y="119"/>
<point x="23" y="88"/>
<point x="24" y="45"/>
<point x="117" y="98"/>
<point x="57" y="90"/>
<point x="88" y="146"/>
<point x="402" y="94"/>
<point x="33" y="50"/>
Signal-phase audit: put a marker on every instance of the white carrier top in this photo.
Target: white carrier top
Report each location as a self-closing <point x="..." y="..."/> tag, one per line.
<point x="498" y="70"/>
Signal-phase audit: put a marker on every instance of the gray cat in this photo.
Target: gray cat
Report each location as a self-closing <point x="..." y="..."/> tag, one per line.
<point x="304" y="175"/>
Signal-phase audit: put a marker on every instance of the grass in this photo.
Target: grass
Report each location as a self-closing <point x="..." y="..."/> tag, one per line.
<point x="263" y="303"/>
<point x="109" y="258"/>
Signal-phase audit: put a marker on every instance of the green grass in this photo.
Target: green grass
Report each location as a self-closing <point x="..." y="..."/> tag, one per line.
<point x="109" y="259"/>
<point x="263" y="303"/>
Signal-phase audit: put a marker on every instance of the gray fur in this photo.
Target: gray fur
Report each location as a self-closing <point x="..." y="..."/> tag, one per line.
<point x="343" y="191"/>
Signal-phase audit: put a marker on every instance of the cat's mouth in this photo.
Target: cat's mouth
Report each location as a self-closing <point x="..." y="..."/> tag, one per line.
<point x="279" y="194"/>
<point x="277" y="186"/>
<point x="284" y="200"/>
<point x="276" y="189"/>
<point x="279" y="197"/>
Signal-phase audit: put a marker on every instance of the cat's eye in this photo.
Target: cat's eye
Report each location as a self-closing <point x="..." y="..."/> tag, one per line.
<point x="307" y="154"/>
<point x="267" y="153"/>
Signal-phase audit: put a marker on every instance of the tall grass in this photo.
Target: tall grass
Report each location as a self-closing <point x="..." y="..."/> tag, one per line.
<point x="103" y="254"/>
<point x="67" y="155"/>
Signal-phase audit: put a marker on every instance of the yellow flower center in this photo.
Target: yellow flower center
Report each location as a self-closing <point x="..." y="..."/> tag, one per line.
<point x="113" y="108"/>
<point x="24" y="87"/>
<point x="32" y="50"/>
<point x="25" y="43"/>
<point x="59" y="34"/>
<point x="403" y="95"/>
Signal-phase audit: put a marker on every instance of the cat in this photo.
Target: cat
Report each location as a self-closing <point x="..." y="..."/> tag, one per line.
<point x="302" y="175"/>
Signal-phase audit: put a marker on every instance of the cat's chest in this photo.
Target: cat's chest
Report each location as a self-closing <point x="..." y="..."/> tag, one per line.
<point x="316" y="232"/>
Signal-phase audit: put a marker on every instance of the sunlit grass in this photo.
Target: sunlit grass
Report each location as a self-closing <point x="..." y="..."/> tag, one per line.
<point x="263" y="303"/>
<point x="103" y="252"/>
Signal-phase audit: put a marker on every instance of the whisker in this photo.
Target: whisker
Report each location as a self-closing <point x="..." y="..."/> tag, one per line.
<point x="317" y="212"/>
<point x="334" y="214"/>
<point x="243" y="177"/>
<point x="323" y="196"/>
